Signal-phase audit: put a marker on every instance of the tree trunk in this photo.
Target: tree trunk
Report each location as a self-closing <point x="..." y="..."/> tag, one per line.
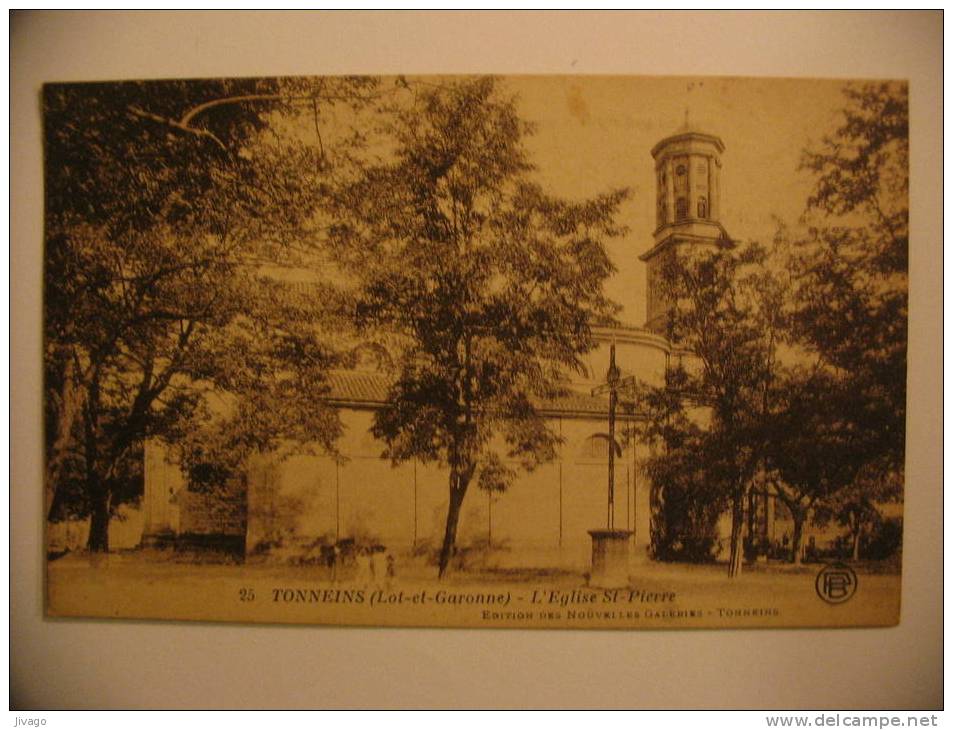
<point x="458" y="489"/>
<point x="99" y="522"/>
<point x="736" y="556"/>
<point x="796" y="538"/>
<point x="855" y="538"/>
<point x="69" y="406"/>
<point x="97" y="489"/>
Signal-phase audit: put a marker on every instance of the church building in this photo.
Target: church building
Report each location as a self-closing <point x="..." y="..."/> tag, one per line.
<point x="282" y="509"/>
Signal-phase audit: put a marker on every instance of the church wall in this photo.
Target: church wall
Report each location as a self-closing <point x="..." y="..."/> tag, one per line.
<point x="541" y="520"/>
<point x="640" y="354"/>
<point x="376" y="502"/>
<point x="163" y="482"/>
<point x="527" y="515"/>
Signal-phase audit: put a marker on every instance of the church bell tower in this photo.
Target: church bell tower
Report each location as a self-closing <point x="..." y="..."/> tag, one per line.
<point x="687" y="208"/>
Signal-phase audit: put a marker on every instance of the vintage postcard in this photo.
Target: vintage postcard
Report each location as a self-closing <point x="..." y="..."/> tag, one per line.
<point x="529" y="352"/>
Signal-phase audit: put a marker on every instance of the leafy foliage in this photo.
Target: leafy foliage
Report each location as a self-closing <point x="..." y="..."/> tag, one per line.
<point x="167" y="203"/>
<point x="852" y="264"/>
<point x="486" y="287"/>
<point x="850" y="304"/>
<point x="797" y="358"/>
<point x="708" y="420"/>
<point x="809" y="460"/>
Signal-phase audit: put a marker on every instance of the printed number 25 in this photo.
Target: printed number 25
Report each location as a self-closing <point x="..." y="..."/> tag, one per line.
<point x="246" y="594"/>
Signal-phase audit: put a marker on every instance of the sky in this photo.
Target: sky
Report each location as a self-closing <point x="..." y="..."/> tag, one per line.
<point x="596" y="133"/>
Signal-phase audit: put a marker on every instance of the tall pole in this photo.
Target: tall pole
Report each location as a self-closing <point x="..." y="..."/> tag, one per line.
<point x="415" y="502"/>
<point x="560" y="447"/>
<point x="612" y="378"/>
<point x="337" y="500"/>
<point x="612" y="399"/>
<point x="612" y="385"/>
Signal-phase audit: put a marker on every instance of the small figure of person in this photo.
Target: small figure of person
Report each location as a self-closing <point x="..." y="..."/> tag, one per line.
<point x="334" y="561"/>
<point x="391" y="568"/>
<point x="810" y="552"/>
<point x="364" y="575"/>
<point x="379" y="564"/>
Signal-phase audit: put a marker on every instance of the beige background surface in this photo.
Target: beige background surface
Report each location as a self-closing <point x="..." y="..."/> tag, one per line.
<point x="82" y="663"/>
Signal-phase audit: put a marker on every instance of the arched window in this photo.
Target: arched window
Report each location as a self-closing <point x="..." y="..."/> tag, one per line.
<point x="702" y="207"/>
<point x="596" y="447"/>
<point x="681" y="209"/>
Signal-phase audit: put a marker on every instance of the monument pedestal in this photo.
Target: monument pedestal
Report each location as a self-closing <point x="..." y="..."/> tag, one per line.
<point x="611" y="558"/>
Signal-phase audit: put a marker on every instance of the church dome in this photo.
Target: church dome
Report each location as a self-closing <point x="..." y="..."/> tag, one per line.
<point x="689" y="132"/>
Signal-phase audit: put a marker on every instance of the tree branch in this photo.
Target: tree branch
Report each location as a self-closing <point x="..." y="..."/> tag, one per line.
<point x="177" y="125"/>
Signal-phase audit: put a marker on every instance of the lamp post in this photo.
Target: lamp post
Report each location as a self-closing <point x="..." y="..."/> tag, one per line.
<point x="611" y="386"/>
<point x="611" y="548"/>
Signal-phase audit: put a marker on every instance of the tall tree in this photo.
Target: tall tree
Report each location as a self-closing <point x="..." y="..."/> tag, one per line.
<point x="710" y="419"/>
<point x="849" y="310"/>
<point x="486" y="286"/>
<point x="685" y="504"/>
<point x="810" y="434"/>
<point x="167" y="204"/>
<point x="814" y="432"/>
<point x="851" y="300"/>
<point x="858" y="505"/>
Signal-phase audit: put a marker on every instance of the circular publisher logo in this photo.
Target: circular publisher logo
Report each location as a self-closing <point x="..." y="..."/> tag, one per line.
<point x="836" y="583"/>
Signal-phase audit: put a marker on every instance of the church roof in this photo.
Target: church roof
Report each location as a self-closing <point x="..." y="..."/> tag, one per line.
<point x="689" y="130"/>
<point x="369" y="390"/>
<point x="358" y="387"/>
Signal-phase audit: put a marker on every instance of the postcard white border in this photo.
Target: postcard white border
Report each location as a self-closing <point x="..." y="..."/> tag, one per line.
<point x="77" y="663"/>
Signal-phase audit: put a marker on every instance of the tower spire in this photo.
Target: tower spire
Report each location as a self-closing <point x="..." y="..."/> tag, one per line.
<point x="688" y="191"/>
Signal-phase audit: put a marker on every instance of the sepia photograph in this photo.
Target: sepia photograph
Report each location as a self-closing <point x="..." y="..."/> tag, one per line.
<point x="588" y="352"/>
